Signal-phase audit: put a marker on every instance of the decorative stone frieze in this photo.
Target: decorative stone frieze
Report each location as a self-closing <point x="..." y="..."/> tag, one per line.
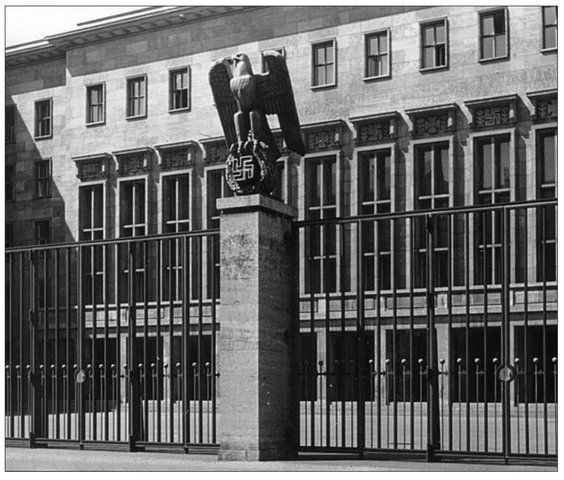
<point x="372" y="129"/>
<point x="493" y="112"/>
<point x="432" y="121"/>
<point x="545" y="106"/>
<point x="92" y="167"/>
<point x="323" y="136"/>
<point x="215" y="150"/>
<point x="177" y="155"/>
<point x="133" y="162"/>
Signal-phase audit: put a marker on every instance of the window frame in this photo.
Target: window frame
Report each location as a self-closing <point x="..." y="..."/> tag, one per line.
<point x="377" y="252"/>
<point x="206" y="203"/>
<point x="433" y="23"/>
<point x="36" y="224"/>
<point x="434" y="142"/>
<point x="171" y="91"/>
<point x="314" y="46"/>
<point x="493" y="11"/>
<point x="10" y="126"/>
<point x="37" y="122"/>
<point x="472" y="198"/>
<point x="129" y="81"/>
<point x="120" y="217"/>
<point x="11" y="184"/>
<point x="103" y="228"/>
<point x="89" y="121"/>
<point x="367" y="36"/>
<point x="165" y="178"/>
<point x="539" y="132"/>
<point x="544" y="48"/>
<point x="47" y="179"/>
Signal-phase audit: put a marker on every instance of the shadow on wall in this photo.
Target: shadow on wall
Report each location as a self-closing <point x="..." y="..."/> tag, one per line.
<point x="34" y="207"/>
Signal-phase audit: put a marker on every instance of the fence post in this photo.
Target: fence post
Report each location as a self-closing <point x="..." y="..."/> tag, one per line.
<point x="34" y="377"/>
<point x="433" y="408"/>
<point x="133" y="360"/>
<point x="506" y="360"/>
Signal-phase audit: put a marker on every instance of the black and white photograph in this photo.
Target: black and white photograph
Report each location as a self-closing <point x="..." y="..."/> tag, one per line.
<point x="281" y="238"/>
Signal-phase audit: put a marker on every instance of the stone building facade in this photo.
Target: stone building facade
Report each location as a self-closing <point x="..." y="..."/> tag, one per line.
<point x="112" y="132"/>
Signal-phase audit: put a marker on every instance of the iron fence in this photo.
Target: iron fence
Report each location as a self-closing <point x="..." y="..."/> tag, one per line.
<point x="429" y="332"/>
<point x="113" y="342"/>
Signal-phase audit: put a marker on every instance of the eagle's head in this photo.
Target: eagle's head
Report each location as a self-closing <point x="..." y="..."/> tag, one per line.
<point x="240" y="64"/>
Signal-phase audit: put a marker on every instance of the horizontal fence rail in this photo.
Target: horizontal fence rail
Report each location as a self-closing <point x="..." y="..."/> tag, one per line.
<point x="429" y="332"/>
<point x="113" y="342"/>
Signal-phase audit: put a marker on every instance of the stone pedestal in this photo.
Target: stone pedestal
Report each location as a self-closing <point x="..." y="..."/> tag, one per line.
<point x="255" y="320"/>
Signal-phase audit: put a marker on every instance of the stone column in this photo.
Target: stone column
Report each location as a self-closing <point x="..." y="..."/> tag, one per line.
<point x="255" y="320"/>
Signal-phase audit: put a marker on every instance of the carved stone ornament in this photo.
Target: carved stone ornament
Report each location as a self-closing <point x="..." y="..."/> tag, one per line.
<point x="374" y="132"/>
<point x="493" y="113"/>
<point x="488" y="117"/>
<point x="133" y="164"/>
<point x="243" y="100"/>
<point x="174" y="159"/>
<point x="216" y="151"/>
<point x="92" y="168"/>
<point x="432" y="121"/>
<point x="546" y="109"/>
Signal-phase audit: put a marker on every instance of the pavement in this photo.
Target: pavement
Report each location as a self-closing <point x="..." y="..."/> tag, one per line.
<point x="65" y="460"/>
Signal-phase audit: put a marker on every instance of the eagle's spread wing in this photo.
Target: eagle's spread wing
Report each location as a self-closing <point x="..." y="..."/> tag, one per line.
<point x="278" y="97"/>
<point x="219" y="78"/>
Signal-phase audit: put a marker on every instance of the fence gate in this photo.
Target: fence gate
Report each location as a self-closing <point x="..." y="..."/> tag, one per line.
<point x="430" y="333"/>
<point x="113" y="342"/>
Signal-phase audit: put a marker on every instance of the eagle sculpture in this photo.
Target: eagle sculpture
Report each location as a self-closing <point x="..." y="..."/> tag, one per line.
<point x="243" y="100"/>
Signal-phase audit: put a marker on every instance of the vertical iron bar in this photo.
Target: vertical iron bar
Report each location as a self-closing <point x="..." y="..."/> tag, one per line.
<point x="55" y="390"/>
<point x="450" y="366"/>
<point x="79" y="387"/>
<point x="544" y="327"/>
<point x="200" y="357"/>
<point x="159" y="362"/>
<point x="506" y="359"/>
<point x="105" y="296"/>
<point x="361" y="442"/>
<point x="215" y="238"/>
<point x="467" y="326"/>
<point x="394" y="331"/>
<point x="185" y="412"/>
<point x="411" y="332"/>
<point x="133" y="360"/>
<point x="433" y="420"/>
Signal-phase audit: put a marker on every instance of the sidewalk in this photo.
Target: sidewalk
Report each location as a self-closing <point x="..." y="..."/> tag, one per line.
<point x="23" y="459"/>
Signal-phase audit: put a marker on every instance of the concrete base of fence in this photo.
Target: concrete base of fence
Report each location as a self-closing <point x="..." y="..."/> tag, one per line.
<point x="255" y="316"/>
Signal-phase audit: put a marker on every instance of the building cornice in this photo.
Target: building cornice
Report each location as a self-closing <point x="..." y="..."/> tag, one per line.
<point x="104" y="29"/>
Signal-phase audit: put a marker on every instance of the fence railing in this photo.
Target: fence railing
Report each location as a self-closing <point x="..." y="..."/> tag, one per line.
<point x="429" y="331"/>
<point x="113" y="341"/>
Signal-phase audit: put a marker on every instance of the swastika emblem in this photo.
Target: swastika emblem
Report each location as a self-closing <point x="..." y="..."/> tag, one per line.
<point x="243" y="168"/>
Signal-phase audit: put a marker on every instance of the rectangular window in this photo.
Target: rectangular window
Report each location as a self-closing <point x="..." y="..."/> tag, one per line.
<point x="377" y="51"/>
<point x="179" y="89"/>
<point x="307" y="366"/>
<point x="91" y="221"/>
<point x="137" y="97"/>
<point x="176" y="203"/>
<point x="10" y="182"/>
<point x="549" y="28"/>
<point x="9" y="235"/>
<point x="546" y="215"/>
<point x="492" y="159"/>
<point x="432" y="191"/>
<point x="43" y="178"/>
<point x="434" y="45"/>
<point x="493" y="35"/>
<point x="472" y="353"/>
<point x="406" y="357"/>
<point x="176" y="218"/>
<point x="375" y="197"/>
<point x="342" y="362"/>
<point x="321" y="241"/>
<point x="10" y="124"/>
<point x="42" y="232"/>
<point x="95" y="103"/>
<point x="216" y="187"/>
<point x="536" y="347"/>
<point x="91" y="211"/>
<point x="132" y="209"/>
<point x="43" y="118"/>
<point x="324" y="64"/>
